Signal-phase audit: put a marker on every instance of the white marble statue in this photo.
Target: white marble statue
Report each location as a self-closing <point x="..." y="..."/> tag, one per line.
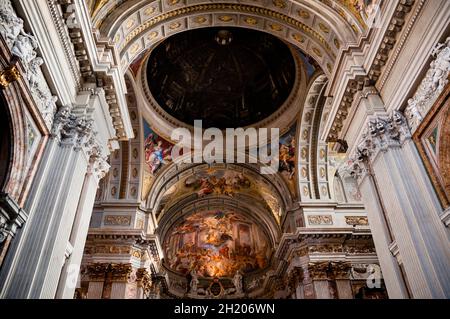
<point x="237" y="281"/>
<point x="24" y="48"/>
<point x="194" y="282"/>
<point x="431" y="86"/>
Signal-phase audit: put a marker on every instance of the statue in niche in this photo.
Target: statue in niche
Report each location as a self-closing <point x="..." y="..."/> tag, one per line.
<point x="194" y="282"/>
<point x="237" y="281"/>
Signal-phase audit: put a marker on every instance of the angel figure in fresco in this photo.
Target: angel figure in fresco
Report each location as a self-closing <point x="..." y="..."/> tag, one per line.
<point x="155" y="154"/>
<point x="287" y="157"/>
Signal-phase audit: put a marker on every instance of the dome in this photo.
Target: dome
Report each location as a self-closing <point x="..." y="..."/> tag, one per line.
<point x="227" y="77"/>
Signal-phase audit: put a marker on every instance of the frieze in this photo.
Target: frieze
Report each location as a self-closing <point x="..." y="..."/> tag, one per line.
<point x="320" y="220"/>
<point x="117" y="220"/>
<point x="357" y="220"/>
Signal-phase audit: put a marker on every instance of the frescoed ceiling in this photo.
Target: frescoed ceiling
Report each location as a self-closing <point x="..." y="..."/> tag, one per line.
<point x="224" y="182"/>
<point x="216" y="243"/>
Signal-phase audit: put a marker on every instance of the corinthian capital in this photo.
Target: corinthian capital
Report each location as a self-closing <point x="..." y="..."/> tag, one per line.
<point x="71" y="130"/>
<point x="382" y="132"/>
<point x="98" y="160"/>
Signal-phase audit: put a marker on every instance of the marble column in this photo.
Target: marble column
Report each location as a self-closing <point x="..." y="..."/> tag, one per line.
<point x="33" y="267"/>
<point x="121" y="275"/>
<point x="96" y="170"/>
<point x="407" y="212"/>
<point x="95" y="290"/>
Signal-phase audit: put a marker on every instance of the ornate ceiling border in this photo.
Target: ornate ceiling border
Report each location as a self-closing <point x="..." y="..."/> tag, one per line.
<point x="371" y="78"/>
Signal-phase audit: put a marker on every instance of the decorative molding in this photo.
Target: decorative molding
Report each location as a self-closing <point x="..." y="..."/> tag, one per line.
<point x="63" y="33"/>
<point x="99" y="165"/>
<point x="104" y="59"/>
<point x="320" y="220"/>
<point x="117" y="220"/>
<point x="400" y="45"/>
<point x="370" y="78"/>
<point x="170" y="15"/>
<point x="357" y="220"/>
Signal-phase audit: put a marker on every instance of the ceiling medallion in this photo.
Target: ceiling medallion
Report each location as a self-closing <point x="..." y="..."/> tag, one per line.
<point x="149" y="11"/>
<point x="324" y="28"/>
<point x="251" y="21"/>
<point x="279" y="4"/>
<point x="134" y="48"/>
<point x="304" y="14"/>
<point x="200" y="19"/>
<point x="152" y="35"/>
<point x="225" y="18"/>
<point x="276" y="27"/>
<point x="318" y="52"/>
<point x="174" y="25"/>
<point x="297" y="37"/>
<point x="337" y="43"/>
<point x="329" y="68"/>
<point x="130" y="23"/>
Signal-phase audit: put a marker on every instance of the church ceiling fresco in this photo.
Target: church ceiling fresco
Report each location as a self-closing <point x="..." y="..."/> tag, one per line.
<point x="288" y="161"/>
<point x="216" y="244"/>
<point x="226" y="182"/>
<point x="157" y="154"/>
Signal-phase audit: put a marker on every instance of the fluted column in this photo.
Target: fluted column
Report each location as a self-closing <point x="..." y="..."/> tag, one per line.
<point x="96" y="170"/>
<point x="404" y="210"/>
<point x="33" y="267"/>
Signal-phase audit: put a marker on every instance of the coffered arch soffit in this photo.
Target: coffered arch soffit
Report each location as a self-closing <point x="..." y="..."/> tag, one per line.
<point x="319" y="28"/>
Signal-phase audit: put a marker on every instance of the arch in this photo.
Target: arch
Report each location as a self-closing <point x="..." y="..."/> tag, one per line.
<point x="175" y="172"/>
<point x="164" y="124"/>
<point x="6" y="141"/>
<point x="311" y="152"/>
<point x="319" y="28"/>
<point x="254" y="213"/>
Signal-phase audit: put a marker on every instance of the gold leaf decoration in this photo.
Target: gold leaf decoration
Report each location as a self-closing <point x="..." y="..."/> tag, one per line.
<point x="251" y="21"/>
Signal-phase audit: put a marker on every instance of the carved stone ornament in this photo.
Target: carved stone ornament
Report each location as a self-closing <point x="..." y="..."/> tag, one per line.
<point x="120" y="272"/>
<point x="431" y="86"/>
<point x="98" y="160"/>
<point x="23" y="46"/>
<point x="382" y="133"/>
<point x="357" y="220"/>
<point x="329" y="270"/>
<point x="144" y="279"/>
<point x="70" y="129"/>
<point x="320" y="220"/>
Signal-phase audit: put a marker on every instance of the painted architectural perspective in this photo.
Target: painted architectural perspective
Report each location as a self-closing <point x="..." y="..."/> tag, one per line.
<point x="94" y="204"/>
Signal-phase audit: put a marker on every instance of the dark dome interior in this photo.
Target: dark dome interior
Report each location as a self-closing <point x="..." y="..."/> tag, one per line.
<point x="227" y="77"/>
